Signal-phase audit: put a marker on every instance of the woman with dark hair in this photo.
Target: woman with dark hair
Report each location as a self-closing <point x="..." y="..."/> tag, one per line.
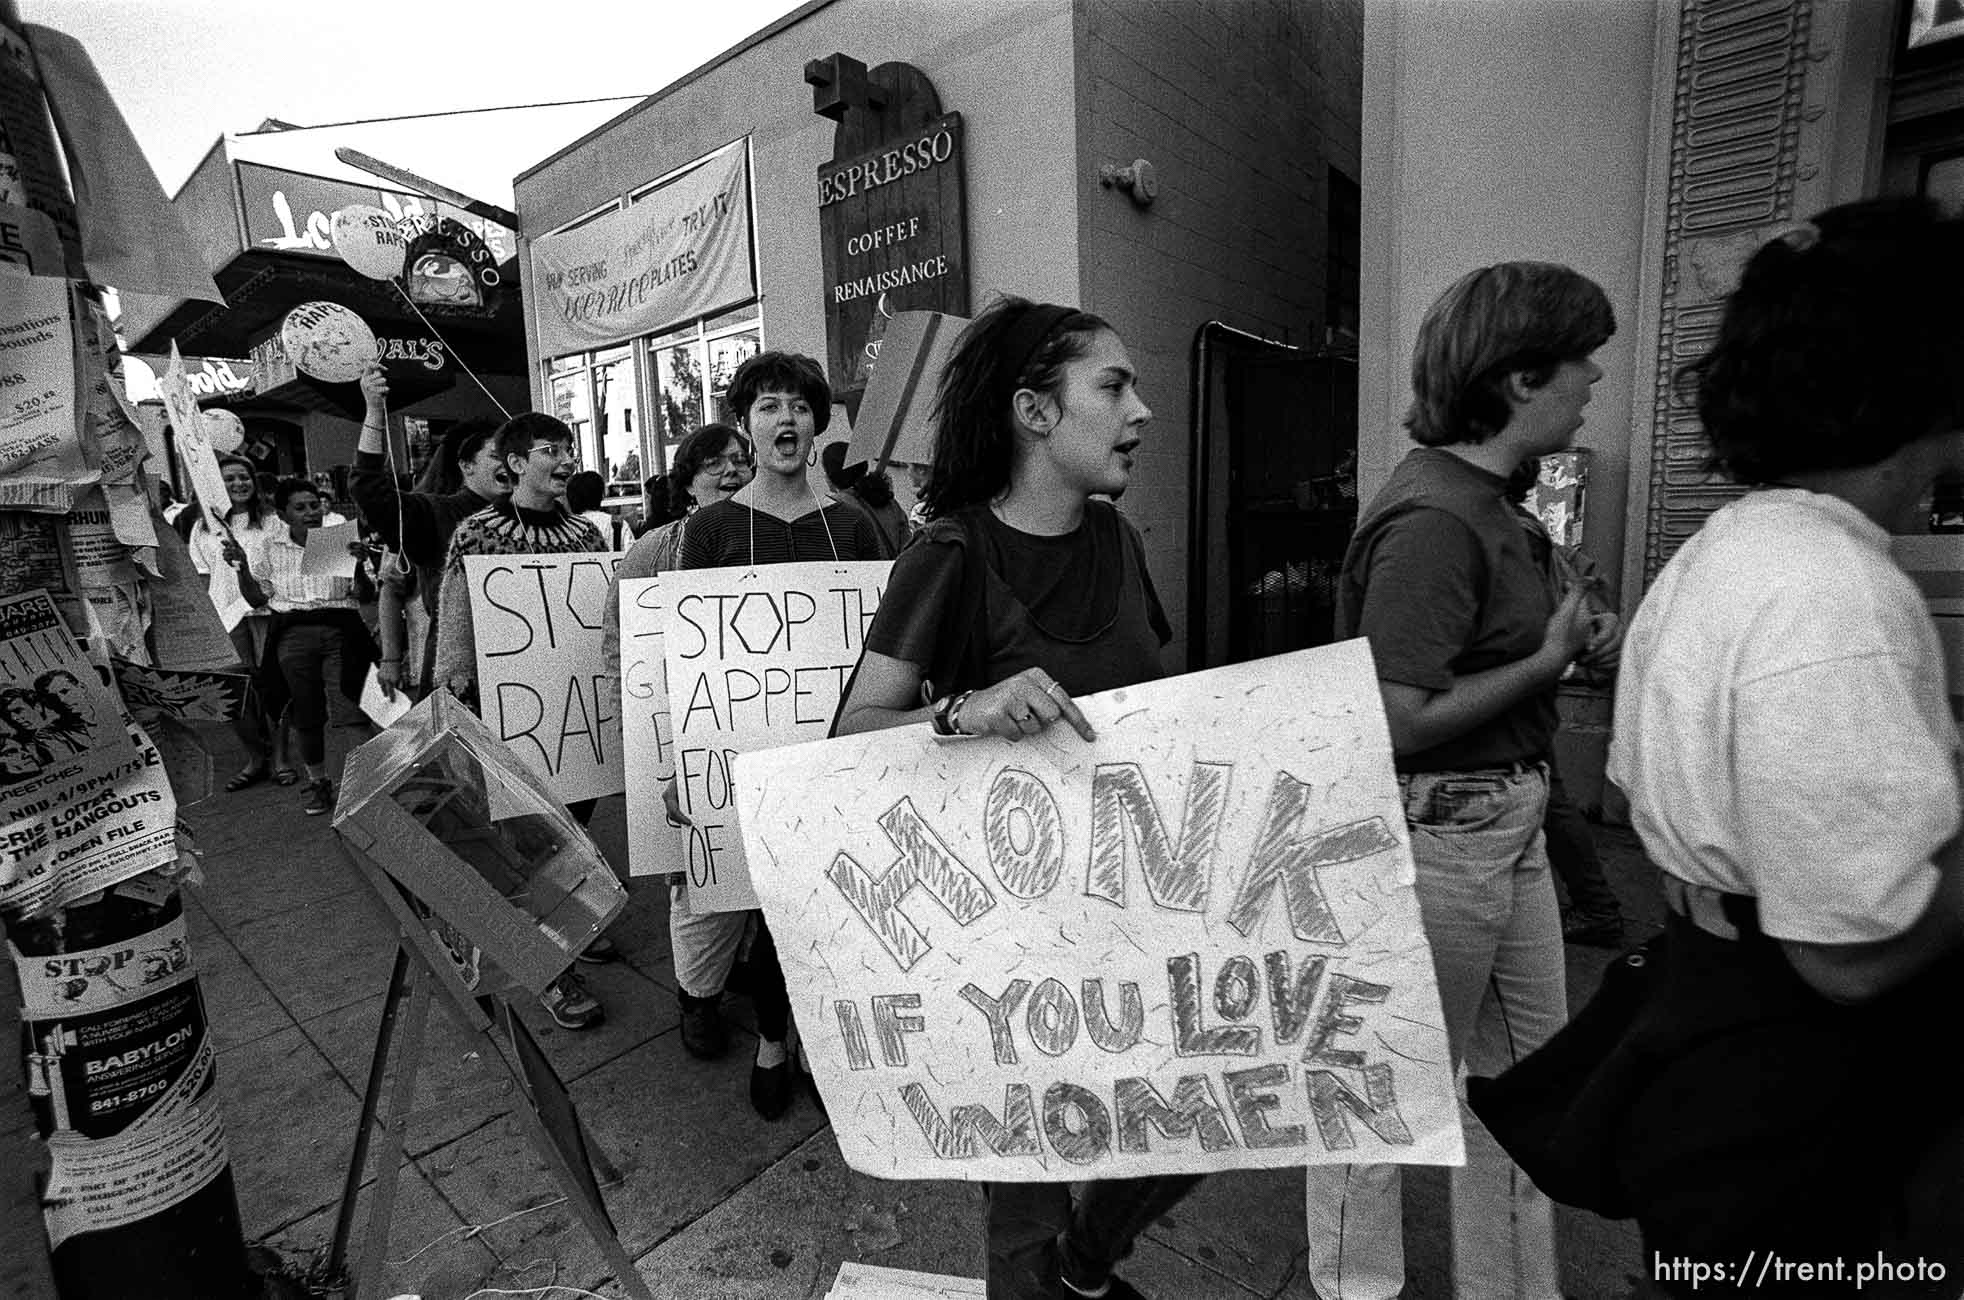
<point x="251" y="523"/>
<point x="1022" y="592"/>
<point x="584" y="493"/>
<point x="710" y="465"/>
<point x="1785" y="736"/>
<point x="870" y="493"/>
<point x="783" y="403"/>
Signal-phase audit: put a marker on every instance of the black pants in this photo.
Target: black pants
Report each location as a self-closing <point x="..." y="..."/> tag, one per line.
<point x="768" y="995"/>
<point x="1093" y="1230"/>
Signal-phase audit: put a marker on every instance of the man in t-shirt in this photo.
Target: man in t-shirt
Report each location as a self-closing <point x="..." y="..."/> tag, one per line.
<point x="1470" y="642"/>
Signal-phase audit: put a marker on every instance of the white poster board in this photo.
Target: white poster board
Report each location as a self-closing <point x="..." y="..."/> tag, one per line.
<point x="1188" y="946"/>
<point x="542" y="680"/>
<point x="654" y="847"/>
<point x="757" y="658"/>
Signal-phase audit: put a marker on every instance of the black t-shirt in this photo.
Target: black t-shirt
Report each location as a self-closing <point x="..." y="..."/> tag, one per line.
<point x="1081" y="606"/>
<point x="1441" y="578"/>
<point x="723" y="535"/>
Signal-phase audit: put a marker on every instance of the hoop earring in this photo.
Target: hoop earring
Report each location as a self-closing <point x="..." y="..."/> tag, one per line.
<point x="811" y="457"/>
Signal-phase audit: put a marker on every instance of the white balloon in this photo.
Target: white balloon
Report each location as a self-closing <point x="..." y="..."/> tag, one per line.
<point x="368" y="240"/>
<point x="224" y="431"/>
<point x="326" y="341"/>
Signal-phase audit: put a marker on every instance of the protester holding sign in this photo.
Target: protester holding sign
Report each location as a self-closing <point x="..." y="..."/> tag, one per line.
<point x="259" y="724"/>
<point x="1021" y="593"/>
<point x="783" y="403"/>
<point x="1470" y="643"/>
<point x="316" y="630"/>
<point x="1783" y="732"/>
<point x="538" y="457"/>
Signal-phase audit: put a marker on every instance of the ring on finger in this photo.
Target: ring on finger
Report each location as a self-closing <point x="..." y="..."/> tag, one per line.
<point x="1052" y="689"/>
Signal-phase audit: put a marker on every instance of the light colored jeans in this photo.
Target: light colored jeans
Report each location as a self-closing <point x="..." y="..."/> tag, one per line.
<point x="705" y="944"/>
<point x="1488" y="906"/>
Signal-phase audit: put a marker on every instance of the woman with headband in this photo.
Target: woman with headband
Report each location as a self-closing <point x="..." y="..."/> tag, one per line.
<point x="1039" y="415"/>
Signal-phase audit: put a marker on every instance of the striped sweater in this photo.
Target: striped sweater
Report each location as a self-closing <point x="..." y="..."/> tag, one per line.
<point x="499" y="529"/>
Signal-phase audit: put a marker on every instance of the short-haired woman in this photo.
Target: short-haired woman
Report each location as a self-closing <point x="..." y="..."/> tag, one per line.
<point x="1469" y="642"/>
<point x="782" y="402"/>
<point x="1785" y="735"/>
<point x="1038" y="414"/>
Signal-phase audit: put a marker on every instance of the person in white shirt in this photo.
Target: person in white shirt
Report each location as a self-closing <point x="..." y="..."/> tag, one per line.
<point x="316" y="624"/>
<point x="1785" y="738"/>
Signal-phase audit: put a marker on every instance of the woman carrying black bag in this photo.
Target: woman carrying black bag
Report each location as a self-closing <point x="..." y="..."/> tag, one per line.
<point x="1787" y="1092"/>
<point x="1021" y="593"/>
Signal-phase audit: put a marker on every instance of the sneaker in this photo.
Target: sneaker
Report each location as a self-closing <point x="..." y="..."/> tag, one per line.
<point x="569" y="1004"/>
<point x="1062" y="1286"/>
<point x="320" y="798"/>
<point x="704" y="1035"/>
<point x="599" y="952"/>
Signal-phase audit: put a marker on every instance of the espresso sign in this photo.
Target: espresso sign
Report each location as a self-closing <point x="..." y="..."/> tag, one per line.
<point x="894" y="232"/>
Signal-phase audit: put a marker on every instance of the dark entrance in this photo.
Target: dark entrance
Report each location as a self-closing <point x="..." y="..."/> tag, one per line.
<point x="1274" y="494"/>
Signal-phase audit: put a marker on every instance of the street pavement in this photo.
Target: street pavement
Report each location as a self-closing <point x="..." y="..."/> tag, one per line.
<point x="294" y="955"/>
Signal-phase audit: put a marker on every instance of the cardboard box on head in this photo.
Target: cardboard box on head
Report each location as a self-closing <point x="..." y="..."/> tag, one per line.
<point x="896" y="416"/>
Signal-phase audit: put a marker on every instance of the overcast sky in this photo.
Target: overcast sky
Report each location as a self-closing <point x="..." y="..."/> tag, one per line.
<point x="186" y="71"/>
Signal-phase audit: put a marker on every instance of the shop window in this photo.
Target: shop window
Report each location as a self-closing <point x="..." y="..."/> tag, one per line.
<point x="693" y="368"/>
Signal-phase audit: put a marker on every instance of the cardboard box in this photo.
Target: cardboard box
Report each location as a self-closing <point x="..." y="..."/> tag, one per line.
<point x="463" y="825"/>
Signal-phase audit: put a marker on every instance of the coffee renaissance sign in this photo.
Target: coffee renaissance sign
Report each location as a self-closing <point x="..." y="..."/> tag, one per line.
<point x="893" y="229"/>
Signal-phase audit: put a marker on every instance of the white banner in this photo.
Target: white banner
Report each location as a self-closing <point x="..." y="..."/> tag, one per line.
<point x="757" y="658"/>
<point x="680" y="252"/>
<point x="1188" y="946"/>
<point x="542" y="681"/>
<point x="654" y="847"/>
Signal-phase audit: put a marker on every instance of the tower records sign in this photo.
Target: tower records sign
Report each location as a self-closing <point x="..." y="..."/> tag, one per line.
<point x="894" y="233"/>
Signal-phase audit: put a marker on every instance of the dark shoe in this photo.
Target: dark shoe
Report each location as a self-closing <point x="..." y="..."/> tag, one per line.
<point x="1066" y="1287"/>
<point x="770" y="1089"/>
<point x="1593" y="934"/>
<point x="320" y="798"/>
<point x="704" y="1035"/>
<point x="285" y="776"/>
<point x="599" y="952"/>
<point x="250" y="776"/>
<point x="569" y="1004"/>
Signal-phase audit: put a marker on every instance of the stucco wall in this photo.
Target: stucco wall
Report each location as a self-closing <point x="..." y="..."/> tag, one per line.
<point x="1494" y="132"/>
<point x="1241" y="106"/>
<point x="1006" y="67"/>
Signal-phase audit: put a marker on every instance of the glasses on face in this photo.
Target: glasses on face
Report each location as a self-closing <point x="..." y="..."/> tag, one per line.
<point x="556" y="451"/>
<point x="731" y="460"/>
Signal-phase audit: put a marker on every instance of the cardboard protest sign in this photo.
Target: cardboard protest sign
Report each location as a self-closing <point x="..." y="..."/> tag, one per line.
<point x="757" y="658"/>
<point x="542" y="680"/>
<point x="1190" y="945"/>
<point x="654" y="847"/>
<point x="188" y="427"/>
<point x="896" y="415"/>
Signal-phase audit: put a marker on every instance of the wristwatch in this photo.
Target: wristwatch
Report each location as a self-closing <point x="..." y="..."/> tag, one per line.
<point x="947" y="714"/>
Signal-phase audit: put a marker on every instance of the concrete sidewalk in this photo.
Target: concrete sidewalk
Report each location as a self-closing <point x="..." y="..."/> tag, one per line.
<point x="295" y="960"/>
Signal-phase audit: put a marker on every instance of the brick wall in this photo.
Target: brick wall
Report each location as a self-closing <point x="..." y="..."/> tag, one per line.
<point x="1242" y="106"/>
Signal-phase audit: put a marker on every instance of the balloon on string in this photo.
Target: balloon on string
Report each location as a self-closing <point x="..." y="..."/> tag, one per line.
<point x="369" y="240"/>
<point x="326" y="341"/>
<point x="224" y="431"/>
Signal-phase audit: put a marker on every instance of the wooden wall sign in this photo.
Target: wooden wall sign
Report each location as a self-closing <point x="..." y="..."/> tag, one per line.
<point x="892" y="213"/>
